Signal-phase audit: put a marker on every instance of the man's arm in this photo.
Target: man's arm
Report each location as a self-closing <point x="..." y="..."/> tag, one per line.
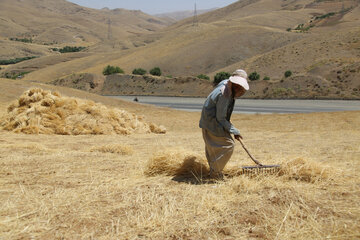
<point x="221" y="111"/>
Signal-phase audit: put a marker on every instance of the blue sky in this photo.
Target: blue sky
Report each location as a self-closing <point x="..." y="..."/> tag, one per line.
<point x="154" y="6"/>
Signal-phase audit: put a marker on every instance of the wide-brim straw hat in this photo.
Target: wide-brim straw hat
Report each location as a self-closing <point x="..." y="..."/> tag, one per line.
<point x="239" y="77"/>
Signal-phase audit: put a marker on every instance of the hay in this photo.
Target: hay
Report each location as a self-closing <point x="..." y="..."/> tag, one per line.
<point x="305" y="170"/>
<point x="176" y="162"/>
<point x="179" y="162"/>
<point x="44" y="112"/>
<point x="297" y="169"/>
<point x="69" y="192"/>
<point x="114" y="148"/>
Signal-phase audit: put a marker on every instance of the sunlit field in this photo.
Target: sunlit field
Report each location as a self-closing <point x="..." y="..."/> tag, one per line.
<point x="108" y="187"/>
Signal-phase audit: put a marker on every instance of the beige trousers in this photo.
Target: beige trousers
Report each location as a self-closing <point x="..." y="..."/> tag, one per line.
<point x="218" y="150"/>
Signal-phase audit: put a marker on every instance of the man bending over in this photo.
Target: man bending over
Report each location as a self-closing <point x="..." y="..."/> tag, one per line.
<point x="215" y="121"/>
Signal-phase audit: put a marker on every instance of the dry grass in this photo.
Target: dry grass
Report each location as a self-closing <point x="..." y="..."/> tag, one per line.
<point x="54" y="186"/>
<point x="114" y="148"/>
<point x="304" y="170"/>
<point x="177" y="162"/>
<point x="184" y="163"/>
<point x="44" y="112"/>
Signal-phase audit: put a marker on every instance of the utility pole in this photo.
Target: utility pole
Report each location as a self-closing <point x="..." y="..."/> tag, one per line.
<point x="109" y="34"/>
<point x="195" y="20"/>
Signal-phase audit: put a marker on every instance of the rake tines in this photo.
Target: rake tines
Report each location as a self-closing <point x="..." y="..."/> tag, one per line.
<point x="264" y="169"/>
<point x="259" y="169"/>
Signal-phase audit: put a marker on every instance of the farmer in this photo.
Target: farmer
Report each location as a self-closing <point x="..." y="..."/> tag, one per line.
<point x="215" y="121"/>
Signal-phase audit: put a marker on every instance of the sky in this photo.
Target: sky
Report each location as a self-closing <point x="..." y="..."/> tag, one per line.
<point x="154" y="6"/>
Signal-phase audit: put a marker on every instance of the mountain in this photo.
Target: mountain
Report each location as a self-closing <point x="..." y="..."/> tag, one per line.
<point x="180" y="15"/>
<point x="325" y="63"/>
<point x="318" y="41"/>
<point x="58" y="22"/>
<point x="222" y="37"/>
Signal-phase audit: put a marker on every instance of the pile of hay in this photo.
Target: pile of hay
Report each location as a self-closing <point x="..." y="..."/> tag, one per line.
<point x="180" y="162"/>
<point x="305" y="170"/>
<point x="44" y="112"/>
<point x="177" y="162"/>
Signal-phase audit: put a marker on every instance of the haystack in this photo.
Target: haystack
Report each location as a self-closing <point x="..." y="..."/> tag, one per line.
<point x="44" y="112"/>
<point x="176" y="162"/>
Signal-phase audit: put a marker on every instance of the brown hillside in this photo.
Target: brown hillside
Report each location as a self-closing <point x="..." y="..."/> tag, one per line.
<point x="325" y="64"/>
<point x="174" y="48"/>
<point x="314" y="39"/>
<point x="123" y="84"/>
<point x="14" y="49"/>
<point x="189" y="50"/>
<point x="60" y="22"/>
<point x="51" y="24"/>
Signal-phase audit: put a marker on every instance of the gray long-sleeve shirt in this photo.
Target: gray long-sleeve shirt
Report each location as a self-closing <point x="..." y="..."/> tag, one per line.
<point x="217" y="110"/>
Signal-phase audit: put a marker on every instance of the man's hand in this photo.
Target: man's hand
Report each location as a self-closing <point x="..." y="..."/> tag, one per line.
<point x="257" y="162"/>
<point x="238" y="137"/>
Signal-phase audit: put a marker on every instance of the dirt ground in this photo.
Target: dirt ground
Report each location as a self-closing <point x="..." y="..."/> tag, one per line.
<point x="71" y="187"/>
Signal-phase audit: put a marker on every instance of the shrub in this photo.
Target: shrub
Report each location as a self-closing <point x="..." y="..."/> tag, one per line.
<point x="68" y="49"/>
<point x="155" y="71"/>
<point x="325" y="15"/>
<point x="302" y="28"/>
<point x="25" y="40"/>
<point x="203" y="76"/>
<point x="108" y="70"/>
<point x="266" y="78"/>
<point x="288" y="73"/>
<point x="15" y="60"/>
<point x="254" y="76"/>
<point x="139" y="71"/>
<point x="15" y="75"/>
<point x="288" y="29"/>
<point x="221" y="76"/>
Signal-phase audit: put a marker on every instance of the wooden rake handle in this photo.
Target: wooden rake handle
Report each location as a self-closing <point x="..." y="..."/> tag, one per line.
<point x="251" y="156"/>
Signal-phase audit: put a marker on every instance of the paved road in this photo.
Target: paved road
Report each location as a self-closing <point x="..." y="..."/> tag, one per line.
<point x="253" y="106"/>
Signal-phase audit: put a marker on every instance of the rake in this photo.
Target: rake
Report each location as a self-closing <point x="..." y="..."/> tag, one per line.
<point x="259" y="168"/>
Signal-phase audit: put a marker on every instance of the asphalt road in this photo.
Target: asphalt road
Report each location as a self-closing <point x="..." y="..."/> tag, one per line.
<point x="253" y="106"/>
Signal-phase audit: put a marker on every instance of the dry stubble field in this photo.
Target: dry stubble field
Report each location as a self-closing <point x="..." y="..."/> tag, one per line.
<point x="94" y="186"/>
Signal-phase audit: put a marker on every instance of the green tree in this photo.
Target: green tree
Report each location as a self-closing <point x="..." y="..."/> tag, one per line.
<point x="139" y="71"/>
<point x="288" y="73"/>
<point x="156" y="71"/>
<point x="254" y="76"/>
<point x="220" y="76"/>
<point x="266" y="78"/>
<point x="108" y="70"/>
<point x="203" y="76"/>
